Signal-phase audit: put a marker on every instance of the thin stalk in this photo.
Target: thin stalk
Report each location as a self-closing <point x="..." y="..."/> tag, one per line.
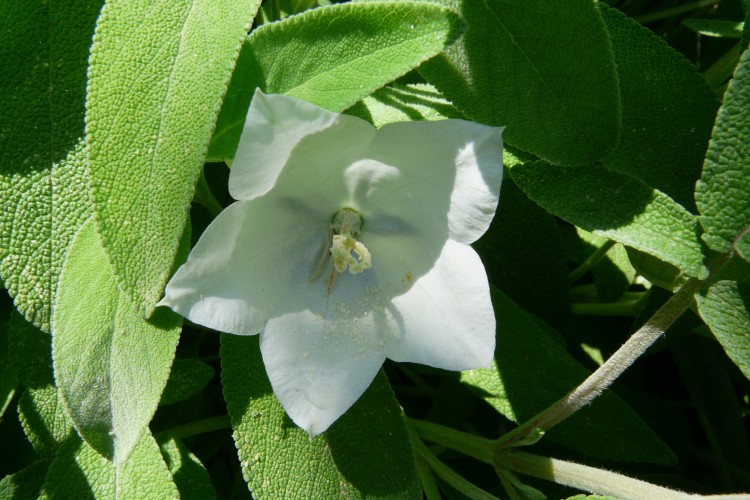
<point x="720" y="71"/>
<point x="468" y="444"/>
<point x="205" y="197"/>
<point x="674" y="11"/>
<point x="199" y="427"/>
<point x="583" y="477"/>
<point x="444" y="472"/>
<point x="606" y="374"/>
<point x="590" y="262"/>
<point x="623" y="308"/>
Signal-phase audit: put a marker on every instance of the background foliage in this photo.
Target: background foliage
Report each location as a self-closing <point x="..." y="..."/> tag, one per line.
<point x="628" y="178"/>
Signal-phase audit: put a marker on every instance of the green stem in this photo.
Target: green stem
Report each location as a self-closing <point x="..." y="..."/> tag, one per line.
<point x="199" y="427"/>
<point x="606" y="374"/>
<point x="205" y="197"/>
<point x="720" y="71"/>
<point x="624" y="308"/>
<point x="590" y="262"/>
<point x="583" y="477"/>
<point x="444" y="472"/>
<point x="664" y="14"/>
<point x="468" y="444"/>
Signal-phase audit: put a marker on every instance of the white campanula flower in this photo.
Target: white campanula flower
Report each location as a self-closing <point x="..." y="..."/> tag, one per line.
<point x="348" y="245"/>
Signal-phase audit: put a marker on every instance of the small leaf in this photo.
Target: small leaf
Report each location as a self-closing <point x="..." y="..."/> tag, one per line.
<point x="366" y="453"/>
<point x="111" y="365"/>
<point x="723" y="192"/>
<point x="331" y="57"/>
<point x="187" y="378"/>
<point x="157" y="74"/>
<point x="518" y="389"/>
<point x="26" y="483"/>
<point x="190" y="477"/>
<point x="725" y="307"/>
<point x="43" y="197"/>
<point x="667" y="110"/>
<point x="531" y="65"/>
<point x="618" y="207"/>
<point x="77" y="471"/>
<point x="715" y="27"/>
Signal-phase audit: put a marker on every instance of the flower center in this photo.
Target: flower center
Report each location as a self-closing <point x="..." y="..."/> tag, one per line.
<point x="342" y="248"/>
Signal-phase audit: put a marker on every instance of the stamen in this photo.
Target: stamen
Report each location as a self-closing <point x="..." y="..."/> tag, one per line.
<point x="343" y="249"/>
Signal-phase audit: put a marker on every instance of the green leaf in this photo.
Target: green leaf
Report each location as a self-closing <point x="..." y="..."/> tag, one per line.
<point x="715" y="27"/>
<point x="545" y="72"/>
<point x="667" y="110"/>
<point x="723" y="192"/>
<point x="30" y="352"/>
<point x="400" y="103"/>
<point x="42" y="184"/>
<point x="40" y="410"/>
<point x="111" y="365"/>
<point x="77" y="471"/>
<point x="614" y="274"/>
<point x="157" y="74"/>
<point x="523" y="256"/>
<point x="518" y="389"/>
<point x="618" y="207"/>
<point x="190" y="477"/>
<point x="332" y="57"/>
<point x="366" y="453"/>
<point x="725" y="307"/>
<point x="187" y="378"/>
<point x="25" y="484"/>
<point x="43" y="419"/>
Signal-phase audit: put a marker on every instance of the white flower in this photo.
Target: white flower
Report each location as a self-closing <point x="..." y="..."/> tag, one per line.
<point x="348" y="246"/>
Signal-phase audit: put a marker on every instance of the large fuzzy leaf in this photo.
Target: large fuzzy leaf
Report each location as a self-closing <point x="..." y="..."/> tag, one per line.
<point x="331" y="57"/>
<point x="723" y="192"/>
<point x="43" y="195"/>
<point x="157" y="75"/>
<point x="533" y="65"/>
<point x="366" y="453"/>
<point x="111" y="365"/>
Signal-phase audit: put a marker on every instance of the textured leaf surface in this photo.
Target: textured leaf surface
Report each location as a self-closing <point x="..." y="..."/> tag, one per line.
<point x="42" y="184"/>
<point x="725" y="308"/>
<point x="618" y="207"/>
<point x="519" y="388"/>
<point x="187" y="378"/>
<point x="40" y="410"/>
<point x="667" y="110"/>
<point x="366" y="453"/>
<point x="111" y="365"/>
<point x="190" y="477"/>
<point x="532" y="65"/>
<point x="26" y="483"/>
<point x="400" y="103"/>
<point x="331" y="57"/>
<point x="78" y="471"/>
<point x="157" y="75"/>
<point x="723" y="192"/>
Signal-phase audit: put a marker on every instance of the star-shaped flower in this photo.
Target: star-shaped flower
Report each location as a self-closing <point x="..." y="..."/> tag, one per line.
<point x="348" y="245"/>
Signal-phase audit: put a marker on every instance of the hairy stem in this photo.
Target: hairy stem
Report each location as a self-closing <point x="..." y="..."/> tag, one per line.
<point x="603" y="377"/>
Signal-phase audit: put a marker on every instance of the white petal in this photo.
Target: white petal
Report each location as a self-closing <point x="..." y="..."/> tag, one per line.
<point x="318" y="366"/>
<point x="249" y="262"/>
<point x="450" y="175"/>
<point x="274" y="127"/>
<point x="446" y="319"/>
